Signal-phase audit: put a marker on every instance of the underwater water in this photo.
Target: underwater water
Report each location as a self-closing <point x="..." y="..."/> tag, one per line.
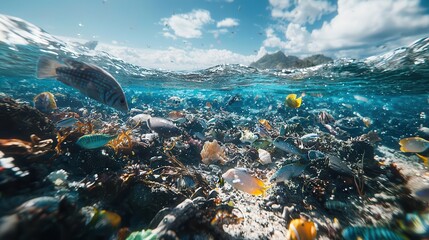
<point x="390" y="92"/>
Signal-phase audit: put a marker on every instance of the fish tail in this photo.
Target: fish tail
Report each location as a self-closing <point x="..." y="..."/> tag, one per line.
<point x="424" y="158"/>
<point x="46" y="67"/>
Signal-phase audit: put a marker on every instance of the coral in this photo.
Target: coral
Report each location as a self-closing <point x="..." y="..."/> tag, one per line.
<point x="18" y="120"/>
<point x="123" y="142"/>
<point x="19" y="147"/>
<point x="212" y="152"/>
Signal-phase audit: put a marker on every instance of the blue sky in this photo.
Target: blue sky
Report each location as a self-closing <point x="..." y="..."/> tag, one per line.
<point x="190" y="34"/>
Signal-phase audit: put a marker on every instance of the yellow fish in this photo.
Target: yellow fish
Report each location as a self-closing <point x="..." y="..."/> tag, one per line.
<point x="293" y="102"/>
<point x="266" y="124"/>
<point x="103" y="218"/>
<point x="414" y="144"/>
<point x="302" y="228"/>
<point x="240" y="179"/>
<point x="45" y="102"/>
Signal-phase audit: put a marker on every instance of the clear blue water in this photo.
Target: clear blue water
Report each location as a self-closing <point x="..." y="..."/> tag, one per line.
<point x="395" y="85"/>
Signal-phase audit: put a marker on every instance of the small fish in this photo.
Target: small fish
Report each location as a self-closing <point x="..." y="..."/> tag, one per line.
<point x="424" y="131"/>
<point x="102" y="218"/>
<point x="134" y="99"/>
<point x="45" y="102"/>
<point x="370" y="233"/>
<point x="233" y="99"/>
<point x="66" y="122"/>
<point x="414" y="144"/>
<point x="200" y="136"/>
<point x="416" y="224"/>
<point x="243" y="181"/>
<point x="311" y="137"/>
<point x="262" y="131"/>
<point x="282" y="144"/>
<point x="302" y="228"/>
<point x="349" y="106"/>
<point x="90" y="80"/>
<point x="177" y="116"/>
<point x="174" y="101"/>
<point x="288" y="172"/>
<point x="335" y="205"/>
<point x="266" y="124"/>
<point x="293" y="102"/>
<point x="361" y="98"/>
<point x="367" y="121"/>
<point x="92" y="141"/>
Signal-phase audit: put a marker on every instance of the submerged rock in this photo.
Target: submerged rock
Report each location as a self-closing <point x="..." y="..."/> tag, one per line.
<point x="20" y="121"/>
<point x="338" y="166"/>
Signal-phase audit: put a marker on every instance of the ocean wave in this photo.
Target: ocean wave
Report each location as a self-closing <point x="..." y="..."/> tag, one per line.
<point x="22" y="43"/>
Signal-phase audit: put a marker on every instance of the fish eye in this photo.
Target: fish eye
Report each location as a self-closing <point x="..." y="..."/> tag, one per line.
<point x="122" y="100"/>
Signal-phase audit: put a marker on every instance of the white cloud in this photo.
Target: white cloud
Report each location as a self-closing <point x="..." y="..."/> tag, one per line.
<point x="188" y="25"/>
<point x="169" y="35"/>
<point x="218" y="32"/>
<point x="176" y="58"/>
<point x="360" y="29"/>
<point x="227" y="22"/>
<point x="272" y="40"/>
<point x="304" y="11"/>
<point x="363" y="23"/>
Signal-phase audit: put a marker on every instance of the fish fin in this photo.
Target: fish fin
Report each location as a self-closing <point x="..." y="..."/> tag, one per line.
<point x="264" y="188"/>
<point x="46" y="67"/>
<point x="424" y="158"/>
<point x="298" y="102"/>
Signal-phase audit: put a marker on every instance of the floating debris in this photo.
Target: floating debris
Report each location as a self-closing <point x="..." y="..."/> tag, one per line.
<point x="212" y="152"/>
<point x="264" y="156"/>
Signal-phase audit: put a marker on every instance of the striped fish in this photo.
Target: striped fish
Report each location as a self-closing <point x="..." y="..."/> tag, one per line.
<point x="90" y="80"/>
<point x="370" y="233"/>
<point x="335" y="205"/>
<point x="92" y="141"/>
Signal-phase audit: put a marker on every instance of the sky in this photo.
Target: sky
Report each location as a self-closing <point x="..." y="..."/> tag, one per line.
<point x="191" y="34"/>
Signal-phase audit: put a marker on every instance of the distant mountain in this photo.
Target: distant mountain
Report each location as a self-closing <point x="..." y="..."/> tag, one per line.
<point x="279" y="61"/>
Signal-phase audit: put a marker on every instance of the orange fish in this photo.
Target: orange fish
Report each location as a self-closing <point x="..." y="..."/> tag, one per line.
<point x="302" y="228"/>
<point x="266" y="124"/>
<point x="240" y="179"/>
<point x="176" y="115"/>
